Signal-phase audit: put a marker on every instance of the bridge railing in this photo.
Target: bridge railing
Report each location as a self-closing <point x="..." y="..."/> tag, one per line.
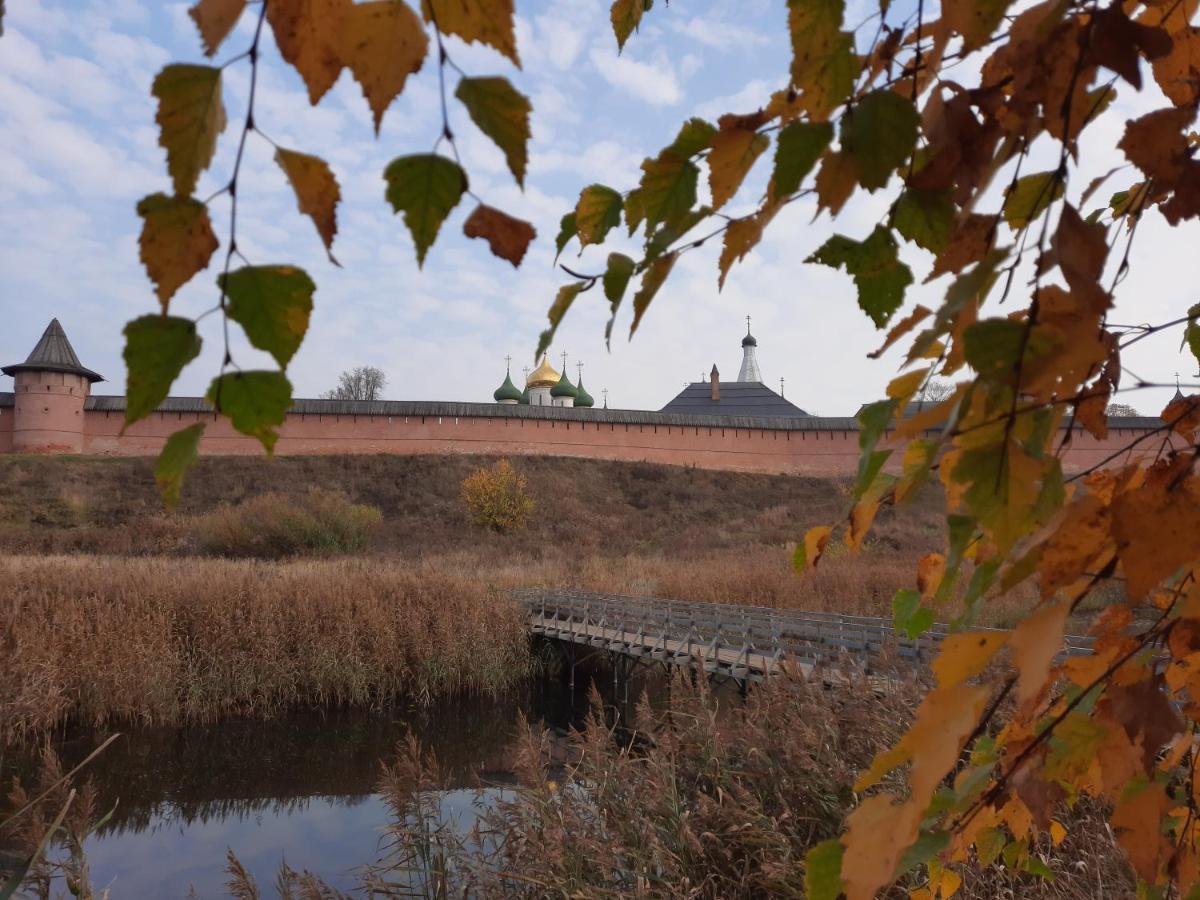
<point x="767" y="632"/>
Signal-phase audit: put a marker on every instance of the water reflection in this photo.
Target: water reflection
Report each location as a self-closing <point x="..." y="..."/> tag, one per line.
<point x="300" y="788"/>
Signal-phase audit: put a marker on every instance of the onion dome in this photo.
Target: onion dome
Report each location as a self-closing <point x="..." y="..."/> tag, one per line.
<point x="544" y="375"/>
<point x="507" y="392"/>
<point x="749" y="341"/>
<point x="582" y="397"/>
<point x="563" y="388"/>
<point x="524" y="401"/>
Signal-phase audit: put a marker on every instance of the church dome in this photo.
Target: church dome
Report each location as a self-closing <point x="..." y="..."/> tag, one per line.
<point x="507" y="391"/>
<point x="749" y="341"/>
<point x="582" y="397"/>
<point x="563" y="388"/>
<point x="544" y="375"/>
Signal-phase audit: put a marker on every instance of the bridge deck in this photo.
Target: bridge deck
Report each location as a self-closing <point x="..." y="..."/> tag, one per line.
<point x="741" y="642"/>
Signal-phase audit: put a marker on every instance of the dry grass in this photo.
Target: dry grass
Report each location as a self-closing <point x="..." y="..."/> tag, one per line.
<point x="728" y="801"/>
<point x="99" y="640"/>
<point x="273" y="526"/>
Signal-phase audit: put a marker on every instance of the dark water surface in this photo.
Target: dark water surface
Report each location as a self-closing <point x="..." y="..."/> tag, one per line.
<point x="300" y="788"/>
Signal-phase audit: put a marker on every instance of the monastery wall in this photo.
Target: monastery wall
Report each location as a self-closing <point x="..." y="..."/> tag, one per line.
<point x="818" y="446"/>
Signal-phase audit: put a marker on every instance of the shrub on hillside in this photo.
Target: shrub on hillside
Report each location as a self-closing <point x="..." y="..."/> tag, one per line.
<point x="271" y="526"/>
<point x="497" y="498"/>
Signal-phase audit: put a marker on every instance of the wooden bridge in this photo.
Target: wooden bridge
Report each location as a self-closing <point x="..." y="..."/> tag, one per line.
<point x="742" y="643"/>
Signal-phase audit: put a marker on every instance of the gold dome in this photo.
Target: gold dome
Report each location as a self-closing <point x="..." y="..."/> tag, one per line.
<point x="544" y="375"/>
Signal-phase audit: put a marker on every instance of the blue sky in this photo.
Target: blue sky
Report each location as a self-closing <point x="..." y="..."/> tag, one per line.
<point x="78" y="148"/>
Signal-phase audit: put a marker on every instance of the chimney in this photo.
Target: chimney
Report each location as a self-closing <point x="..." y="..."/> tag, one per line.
<point x="714" y="378"/>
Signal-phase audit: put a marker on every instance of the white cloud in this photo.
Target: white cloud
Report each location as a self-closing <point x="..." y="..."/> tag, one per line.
<point x="655" y="83"/>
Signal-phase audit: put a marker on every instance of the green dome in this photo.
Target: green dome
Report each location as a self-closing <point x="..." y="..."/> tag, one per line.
<point x="507" y="391"/>
<point x="582" y="397"/>
<point x="564" y="388"/>
<point x="524" y="401"/>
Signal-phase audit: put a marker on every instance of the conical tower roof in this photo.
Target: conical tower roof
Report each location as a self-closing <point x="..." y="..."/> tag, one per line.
<point x="582" y="397"/>
<point x="53" y="353"/>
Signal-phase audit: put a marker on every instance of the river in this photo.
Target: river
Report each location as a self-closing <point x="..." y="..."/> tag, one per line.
<point x="299" y="788"/>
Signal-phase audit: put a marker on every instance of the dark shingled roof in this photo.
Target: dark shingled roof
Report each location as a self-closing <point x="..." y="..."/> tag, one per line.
<point x="738" y="398"/>
<point x="53" y="353"/>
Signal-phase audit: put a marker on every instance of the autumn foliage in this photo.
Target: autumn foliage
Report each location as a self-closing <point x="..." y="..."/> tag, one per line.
<point x="951" y="118"/>
<point x="497" y="497"/>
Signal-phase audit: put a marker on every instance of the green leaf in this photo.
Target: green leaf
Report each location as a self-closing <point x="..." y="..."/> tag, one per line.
<point x="992" y="347"/>
<point x="425" y="187"/>
<point x="156" y="350"/>
<point x="823" y="60"/>
<point x="255" y="402"/>
<point x="799" y="147"/>
<point x="1030" y="197"/>
<point x="176" y="458"/>
<point x="880" y="276"/>
<point x="823" y="870"/>
<point x="667" y="191"/>
<point x="652" y="280"/>
<point x="925" y="218"/>
<point x="502" y="113"/>
<point x="177" y="241"/>
<point x="927" y="845"/>
<point x="272" y="304"/>
<point x="566" y="231"/>
<point x="616" y="279"/>
<point x="908" y="614"/>
<point x="879" y="133"/>
<point x="1191" y="334"/>
<point x="597" y="212"/>
<point x="562" y="302"/>
<point x="626" y="16"/>
<point x="190" y="116"/>
<point x="695" y="135"/>
<point x="668" y="233"/>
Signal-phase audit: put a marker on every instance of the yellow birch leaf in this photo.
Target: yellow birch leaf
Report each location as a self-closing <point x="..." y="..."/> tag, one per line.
<point x="904" y="386"/>
<point x="930" y="569"/>
<point x="306" y="32"/>
<point x="1155" y="527"/>
<point x="652" y="280"/>
<point x="823" y="60"/>
<point x="1034" y="644"/>
<point x="177" y="241"/>
<point x="1058" y="833"/>
<point x="507" y="237"/>
<point x="626" y="15"/>
<point x="486" y="21"/>
<point x="190" y="116"/>
<point x="861" y="517"/>
<point x="877" y="833"/>
<point x="214" y="20"/>
<point x="732" y="154"/>
<point x="900" y="329"/>
<point x="835" y="182"/>
<point x="808" y="552"/>
<point x="382" y="43"/>
<point x="316" y="189"/>
<point x="950" y="884"/>
<point x="965" y="655"/>
<point x="1137" y="821"/>
<point x="741" y="237"/>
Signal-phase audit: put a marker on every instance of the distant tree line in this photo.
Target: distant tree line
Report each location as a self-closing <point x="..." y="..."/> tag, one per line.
<point x="359" y="383"/>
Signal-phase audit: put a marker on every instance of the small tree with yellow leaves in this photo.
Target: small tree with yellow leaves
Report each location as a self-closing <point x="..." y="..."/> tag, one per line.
<point x="497" y="497"/>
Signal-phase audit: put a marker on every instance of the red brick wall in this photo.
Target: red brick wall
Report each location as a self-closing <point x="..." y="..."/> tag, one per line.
<point x="753" y="450"/>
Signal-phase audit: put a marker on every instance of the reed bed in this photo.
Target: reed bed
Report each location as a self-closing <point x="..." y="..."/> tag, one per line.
<point x="700" y="799"/>
<point x="102" y="641"/>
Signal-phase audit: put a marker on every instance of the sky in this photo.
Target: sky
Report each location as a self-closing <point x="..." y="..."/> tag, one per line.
<point x="79" y="147"/>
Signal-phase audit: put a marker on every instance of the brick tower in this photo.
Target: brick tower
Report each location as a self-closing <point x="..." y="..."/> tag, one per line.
<point x="50" y="388"/>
